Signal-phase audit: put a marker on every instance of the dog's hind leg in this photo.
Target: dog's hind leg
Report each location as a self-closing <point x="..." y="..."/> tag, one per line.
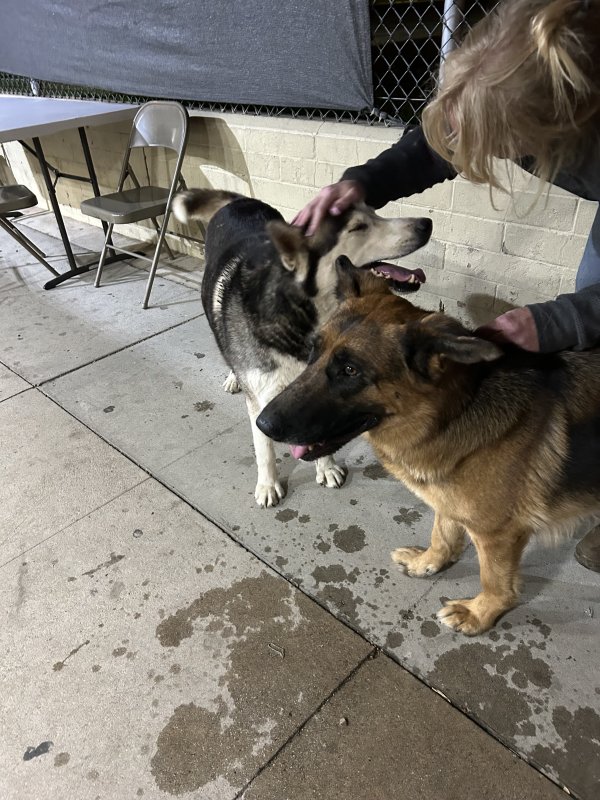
<point x="329" y="473"/>
<point x="447" y="544"/>
<point x="231" y="384"/>
<point x="268" y="490"/>
<point x="499" y="557"/>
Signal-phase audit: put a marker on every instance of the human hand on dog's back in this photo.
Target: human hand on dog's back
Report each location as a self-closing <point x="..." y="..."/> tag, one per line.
<point x="516" y="326"/>
<point x="332" y="200"/>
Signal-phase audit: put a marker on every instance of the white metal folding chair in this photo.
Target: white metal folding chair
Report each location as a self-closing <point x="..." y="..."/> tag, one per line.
<point x="157" y="124"/>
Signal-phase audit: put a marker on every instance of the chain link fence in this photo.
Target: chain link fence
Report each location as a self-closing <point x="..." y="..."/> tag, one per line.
<point x="409" y="41"/>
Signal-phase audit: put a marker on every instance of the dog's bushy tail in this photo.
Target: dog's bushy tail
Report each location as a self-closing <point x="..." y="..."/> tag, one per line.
<point x="201" y="204"/>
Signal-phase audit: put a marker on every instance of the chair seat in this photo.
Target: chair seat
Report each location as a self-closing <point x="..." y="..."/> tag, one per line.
<point x="131" y="205"/>
<point x="16" y="197"/>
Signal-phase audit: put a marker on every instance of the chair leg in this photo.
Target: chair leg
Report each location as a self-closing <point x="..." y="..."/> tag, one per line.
<point x="157" y="229"/>
<point x="154" y="266"/>
<point x="103" y="255"/>
<point x="31" y="248"/>
<point x="22" y="239"/>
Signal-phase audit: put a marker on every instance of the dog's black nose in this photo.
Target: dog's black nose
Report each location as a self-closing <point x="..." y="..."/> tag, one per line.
<point x="424" y="226"/>
<point x="267" y="423"/>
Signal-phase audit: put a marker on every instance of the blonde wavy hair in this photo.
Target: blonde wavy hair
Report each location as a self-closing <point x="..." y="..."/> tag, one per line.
<point x="525" y="82"/>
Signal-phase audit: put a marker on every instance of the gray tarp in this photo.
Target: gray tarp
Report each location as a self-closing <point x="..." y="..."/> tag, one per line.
<point x="303" y="53"/>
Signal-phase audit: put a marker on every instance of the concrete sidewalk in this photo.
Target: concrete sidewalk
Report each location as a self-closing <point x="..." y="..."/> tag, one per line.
<point x="163" y="636"/>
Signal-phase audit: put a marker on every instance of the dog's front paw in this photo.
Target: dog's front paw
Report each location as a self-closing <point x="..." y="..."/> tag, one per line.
<point x="269" y="494"/>
<point x="419" y="562"/>
<point x="332" y="475"/>
<point x="461" y="616"/>
<point x="231" y="384"/>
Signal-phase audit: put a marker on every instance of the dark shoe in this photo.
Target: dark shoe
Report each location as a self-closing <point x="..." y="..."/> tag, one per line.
<point x="587" y="551"/>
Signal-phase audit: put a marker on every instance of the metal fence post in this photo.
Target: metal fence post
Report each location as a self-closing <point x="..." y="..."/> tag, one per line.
<point x="451" y="20"/>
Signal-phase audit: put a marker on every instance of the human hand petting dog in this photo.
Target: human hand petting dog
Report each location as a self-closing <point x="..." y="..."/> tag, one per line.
<point x="331" y="200"/>
<point x="516" y="326"/>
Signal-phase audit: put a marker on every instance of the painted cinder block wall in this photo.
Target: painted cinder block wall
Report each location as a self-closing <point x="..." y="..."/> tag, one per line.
<point x="483" y="258"/>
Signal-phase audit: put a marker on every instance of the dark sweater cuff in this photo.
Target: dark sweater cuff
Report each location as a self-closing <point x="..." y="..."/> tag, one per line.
<point x="572" y="321"/>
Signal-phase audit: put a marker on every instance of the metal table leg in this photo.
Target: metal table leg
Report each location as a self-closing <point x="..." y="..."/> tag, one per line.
<point x="54" y="203"/>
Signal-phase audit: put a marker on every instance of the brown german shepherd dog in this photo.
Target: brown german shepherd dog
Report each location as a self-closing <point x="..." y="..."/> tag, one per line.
<point x="500" y="443"/>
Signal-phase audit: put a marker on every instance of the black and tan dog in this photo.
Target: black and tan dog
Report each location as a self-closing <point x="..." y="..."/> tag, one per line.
<point x="267" y="287"/>
<point x="501" y="443"/>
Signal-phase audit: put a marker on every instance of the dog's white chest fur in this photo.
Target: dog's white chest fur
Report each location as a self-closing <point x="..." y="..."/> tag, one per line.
<point x="265" y="385"/>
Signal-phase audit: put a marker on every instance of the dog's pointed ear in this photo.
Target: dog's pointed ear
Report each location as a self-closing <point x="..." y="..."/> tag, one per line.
<point x="468" y="349"/>
<point x="427" y="352"/>
<point x="290" y="242"/>
<point x="348" y="284"/>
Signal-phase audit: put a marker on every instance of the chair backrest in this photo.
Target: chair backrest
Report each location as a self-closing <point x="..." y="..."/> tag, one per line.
<point x="160" y="123"/>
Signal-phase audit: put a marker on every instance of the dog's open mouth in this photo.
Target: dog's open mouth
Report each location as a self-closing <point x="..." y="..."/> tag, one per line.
<point x="310" y="452"/>
<point x="401" y="279"/>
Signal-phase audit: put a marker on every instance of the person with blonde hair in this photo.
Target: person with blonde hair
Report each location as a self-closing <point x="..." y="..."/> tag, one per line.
<point x="524" y="86"/>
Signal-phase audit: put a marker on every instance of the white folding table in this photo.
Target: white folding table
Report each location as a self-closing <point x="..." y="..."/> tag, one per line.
<point x="34" y="117"/>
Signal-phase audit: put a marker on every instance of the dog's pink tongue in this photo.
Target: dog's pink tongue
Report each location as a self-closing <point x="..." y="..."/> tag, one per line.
<point x="298" y="450"/>
<point x="401" y="274"/>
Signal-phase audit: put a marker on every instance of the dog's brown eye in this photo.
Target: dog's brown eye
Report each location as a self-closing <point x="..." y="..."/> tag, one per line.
<point x="350" y="371"/>
<point x="360" y="226"/>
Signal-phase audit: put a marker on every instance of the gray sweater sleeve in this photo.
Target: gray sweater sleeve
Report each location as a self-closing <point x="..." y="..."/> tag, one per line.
<point x="572" y="321"/>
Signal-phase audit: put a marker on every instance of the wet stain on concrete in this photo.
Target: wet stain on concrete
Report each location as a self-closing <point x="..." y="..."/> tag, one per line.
<point x="204" y="405"/>
<point x="520" y="660"/>
<point x="60" y="664"/>
<point x="199" y="355"/>
<point x="286" y="515"/>
<point x="577" y="761"/>
<point x="344" y="602"/>
<point x="349" y="540"/>
<point x="502" y="684"/>
<point x="119" y="651"/>
<point x="519" y="679"/>
<point x="34" y="752"/>
<point x="189" y="748"/>
<point x="407" y="516"/>
<point x="280" y="562"/>
<point x="322" y="547"/>
<point x="21" y="585"/>
<point x="544" y="629"/>
<point x="114" y="559"/>
<point x="172" y="630"/>
<point x="60" y="759"/>
<point x="116" y="590"/>
<point x="304" y="518"/>
<point x="375" y="472"/>
<point x="394" y="639"/>
<point x="429" y="628"/>
<point x="195" y="747"/>
<point x="334" y="573"/>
